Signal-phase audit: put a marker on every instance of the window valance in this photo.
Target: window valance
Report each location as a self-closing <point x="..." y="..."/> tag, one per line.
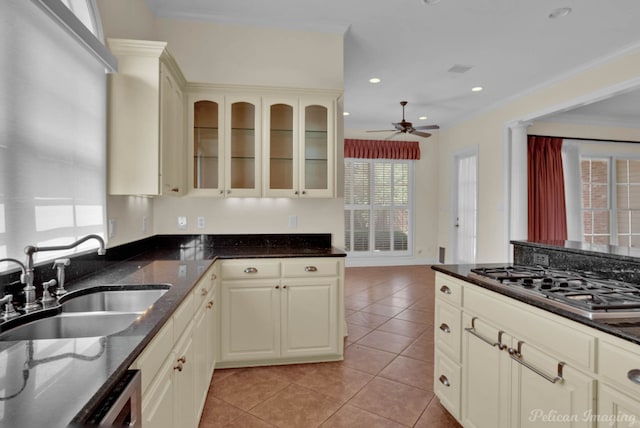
<point x="381" y="149"/>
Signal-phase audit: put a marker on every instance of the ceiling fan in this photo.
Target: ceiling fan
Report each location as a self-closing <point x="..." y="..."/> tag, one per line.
<point x="404" y="127"/>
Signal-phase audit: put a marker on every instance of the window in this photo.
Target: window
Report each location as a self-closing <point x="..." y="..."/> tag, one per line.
<point x="52" y="126"/>
<point x="378" y="208"/>
<point x="594" y="175"/>
<point x="611" y="201"/>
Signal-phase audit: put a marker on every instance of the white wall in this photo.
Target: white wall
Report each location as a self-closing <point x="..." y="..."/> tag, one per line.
<point x="237" y="55"/>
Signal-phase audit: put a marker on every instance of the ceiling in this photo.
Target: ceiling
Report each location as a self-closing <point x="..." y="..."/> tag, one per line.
<point x="411" y="45"/>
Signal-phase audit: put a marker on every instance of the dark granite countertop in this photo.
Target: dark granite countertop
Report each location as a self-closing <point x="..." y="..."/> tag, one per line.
<point x="625" y="329"/>
<point x="56" y="383"/>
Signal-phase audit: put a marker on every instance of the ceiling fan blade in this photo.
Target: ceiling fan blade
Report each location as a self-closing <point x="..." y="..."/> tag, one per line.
<point x="393" y="135"/>
<point x="427" y="127"/>
<point x="421" y="134"/>
<point x="382" y="130"/>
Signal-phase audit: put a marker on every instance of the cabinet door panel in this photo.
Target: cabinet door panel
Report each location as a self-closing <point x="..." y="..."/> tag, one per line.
<point x="317" y="157"/>
<point x="309" y="321"/>
<point x="617" y="410"/>
<point x="537" y="400"/>
<point x="184" y="378"/>
<point x="157" y="403"/>
<point x="250" y="313"/>
<point x="242" y="159"/>
<point x="206" y="150"/>
<point x="485" y="378"/>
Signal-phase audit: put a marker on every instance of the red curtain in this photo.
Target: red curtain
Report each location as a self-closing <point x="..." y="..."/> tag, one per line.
<point x="381" y="149"/>
<point x="547" y="211"/>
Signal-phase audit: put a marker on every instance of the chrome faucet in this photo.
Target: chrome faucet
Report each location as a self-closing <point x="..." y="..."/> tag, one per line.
<point x="9" y="311"/>
<point x="30" y="289"/>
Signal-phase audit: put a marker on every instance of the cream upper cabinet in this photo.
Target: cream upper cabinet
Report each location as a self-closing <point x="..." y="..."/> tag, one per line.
<point x="244" y="143"/>
<point x="299" y="146"/>
<point x="146" y="121"/>
<point x="206" y="149"/>
<point x="225" y="149"/>
<point x="270" y="142"/>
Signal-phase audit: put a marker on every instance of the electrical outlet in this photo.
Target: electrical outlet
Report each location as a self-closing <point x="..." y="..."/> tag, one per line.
<point x="540" y="259"/>
<point x="182" y="222"/>
<point x="144" y="224"/>
<point x="200" y="223"/>
<point x="112" y="228"/>
<point x="293" y="221"/>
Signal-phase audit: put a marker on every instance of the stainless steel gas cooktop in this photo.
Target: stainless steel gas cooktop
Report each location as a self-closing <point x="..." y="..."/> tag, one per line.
<point x="584" y="293"/>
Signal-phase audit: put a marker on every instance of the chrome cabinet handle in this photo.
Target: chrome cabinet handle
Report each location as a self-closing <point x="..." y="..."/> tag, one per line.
<point x="516" y="355"/>
<point x="444" y="327"/>
<point x="443" y="380"/>
<point x="210" y="304"/>
<point x="445" y="289"/>
<point x="310" y="269"/>
<point x="182" y="360"/>
<point x="473" y="331"/>
<point x="251" y="270"/>
<point x="634" y="376"/>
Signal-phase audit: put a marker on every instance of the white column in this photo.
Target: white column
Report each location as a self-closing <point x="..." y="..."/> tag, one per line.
<point x="519" y="205"/>
<point x="572" y="186"/>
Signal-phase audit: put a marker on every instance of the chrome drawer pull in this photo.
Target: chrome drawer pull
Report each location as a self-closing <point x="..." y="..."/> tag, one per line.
<point x="445" y="289"/>
<point x="443" y="380"/>
<point x="516" y="355"/>
<point x="634" y="376"/>
<point x="310" y="269"/>
<point x="444" y="327"/>
<point x="473" y="331"/>
<point x="251" y="270"/>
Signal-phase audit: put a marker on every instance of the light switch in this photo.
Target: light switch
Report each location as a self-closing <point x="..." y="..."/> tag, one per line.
<point x="182" y="222"/>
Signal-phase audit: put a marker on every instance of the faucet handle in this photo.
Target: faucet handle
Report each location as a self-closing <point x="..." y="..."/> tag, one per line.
<point x="9" y="310"/>
<point x="46" y="295"/>
<point x="61" y="263"/>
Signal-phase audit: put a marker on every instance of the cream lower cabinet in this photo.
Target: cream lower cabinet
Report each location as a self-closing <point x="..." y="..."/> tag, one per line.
<point x="281" y="311"/>
<point x="178" y="363"/>
<point x="519" y="367"/>
<point x="499" y="390"/>
<point x="619" y="389"/>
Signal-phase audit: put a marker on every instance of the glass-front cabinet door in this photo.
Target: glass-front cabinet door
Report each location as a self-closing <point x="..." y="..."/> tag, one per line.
<point x="242" y="161"/>
<point x="206" y="152"/>
<point x="281" y="148"/>
<point x="317" y="147"/>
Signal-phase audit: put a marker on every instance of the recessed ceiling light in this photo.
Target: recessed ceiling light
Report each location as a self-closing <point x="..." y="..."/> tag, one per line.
<point x="559" y="12"/>
<point x="477" y="89"/>
<point x="422" y="118"/>
<point x="345" y="113"/>
<point x="374" y="80"/>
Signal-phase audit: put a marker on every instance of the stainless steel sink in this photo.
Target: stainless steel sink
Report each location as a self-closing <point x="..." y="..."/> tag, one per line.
<point x="71" y="325"/>
<point x="129" y="300"/>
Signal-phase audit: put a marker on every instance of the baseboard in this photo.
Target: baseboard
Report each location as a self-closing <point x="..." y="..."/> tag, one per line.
<point x="387" y="261"/>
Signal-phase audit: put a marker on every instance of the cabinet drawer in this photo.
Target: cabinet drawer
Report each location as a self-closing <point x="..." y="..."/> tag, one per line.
<point x="182" y="316"/>
<point x="559" y="337"/>
<point x="249" y="269"/>
<point x="154" y="355"/>
<point x="447" y="330"/>
<point x="310" y="268"/>
<point x="446" y="383"/>
<point x="448" y="289"/>
<point x="620" y="367"/>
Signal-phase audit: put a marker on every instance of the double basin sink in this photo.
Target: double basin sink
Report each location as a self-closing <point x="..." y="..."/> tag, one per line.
<point x="98" y="311"/>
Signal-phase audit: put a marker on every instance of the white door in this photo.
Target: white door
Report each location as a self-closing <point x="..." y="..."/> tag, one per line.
<point x="465" y="206"/>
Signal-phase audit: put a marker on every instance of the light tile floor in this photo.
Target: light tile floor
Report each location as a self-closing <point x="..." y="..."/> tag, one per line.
<point x="385" y="380"/>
